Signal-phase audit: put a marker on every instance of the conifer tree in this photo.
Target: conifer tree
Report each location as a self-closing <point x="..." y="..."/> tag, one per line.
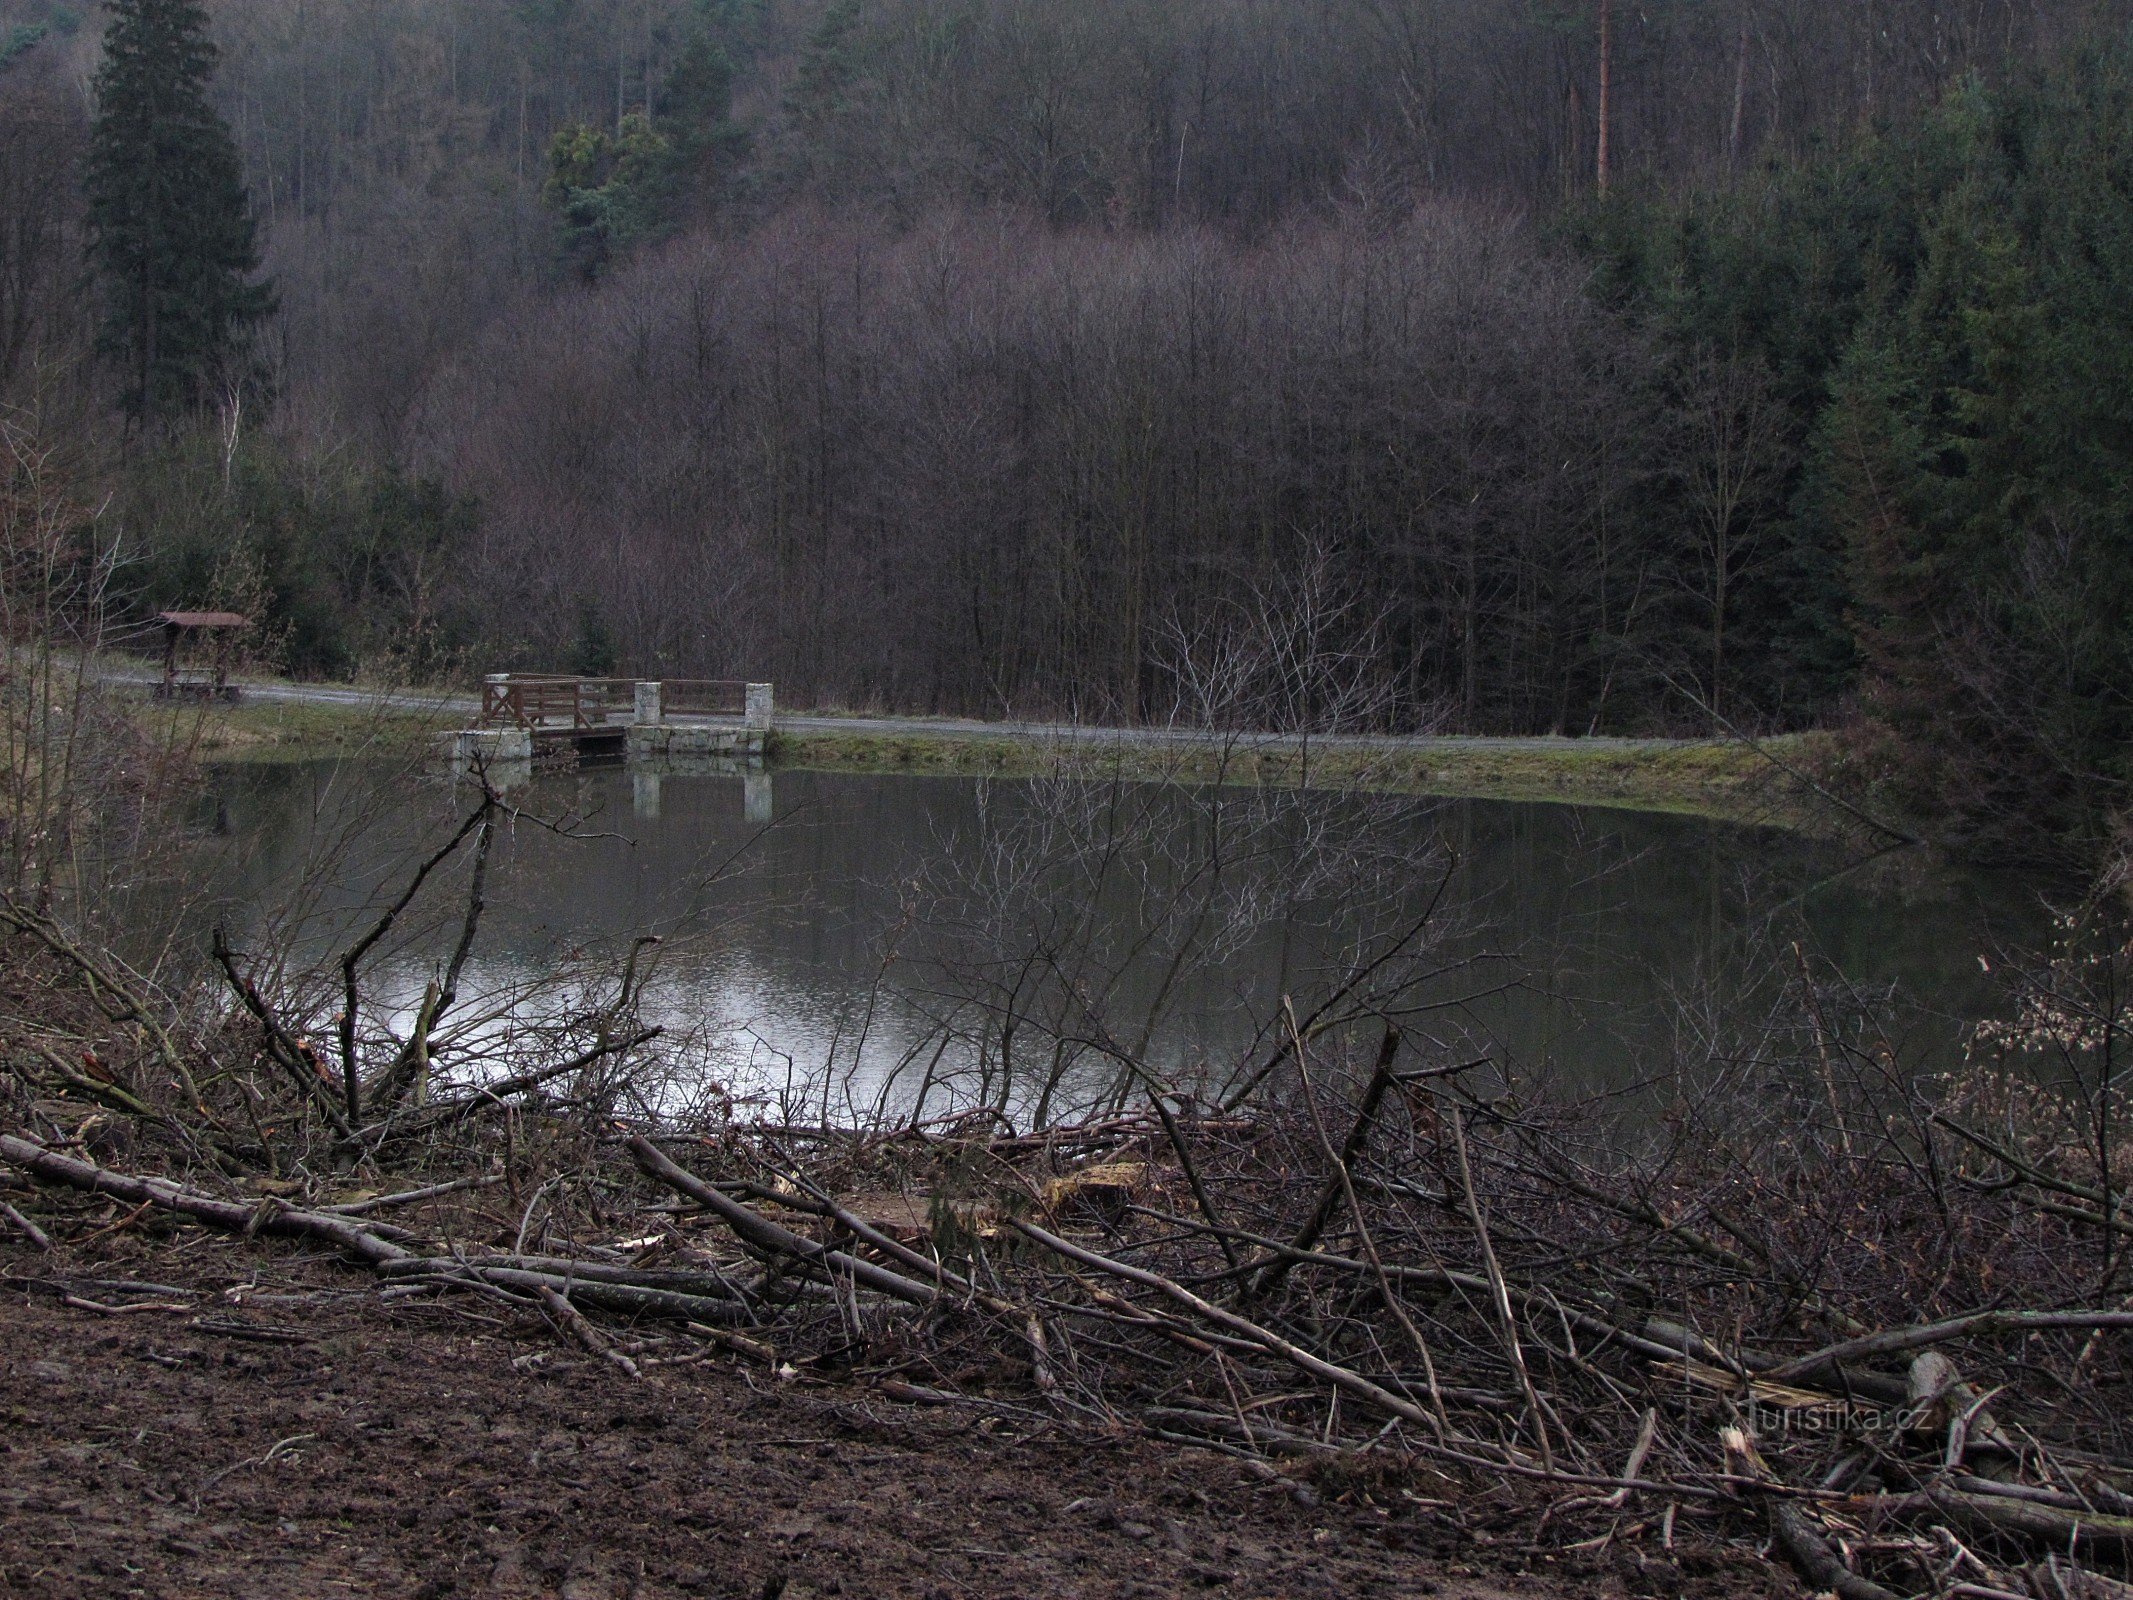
<point x="171" y="229"/>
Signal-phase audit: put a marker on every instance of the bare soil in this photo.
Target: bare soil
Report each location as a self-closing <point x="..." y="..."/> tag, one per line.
<point x="288" y="1433"/>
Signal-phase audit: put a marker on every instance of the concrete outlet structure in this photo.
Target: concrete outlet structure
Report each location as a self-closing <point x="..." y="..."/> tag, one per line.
<point x="496" y="746"/>
<point x="657" y="727"/>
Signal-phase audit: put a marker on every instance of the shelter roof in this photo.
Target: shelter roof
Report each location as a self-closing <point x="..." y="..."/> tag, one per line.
<point x="203" y="619"/>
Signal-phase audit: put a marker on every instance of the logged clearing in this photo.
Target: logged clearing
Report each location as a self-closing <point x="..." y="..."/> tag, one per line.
<point x="286" y="1433"/>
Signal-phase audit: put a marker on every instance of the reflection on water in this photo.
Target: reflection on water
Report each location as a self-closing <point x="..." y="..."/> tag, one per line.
<point x="1577" y="939"/>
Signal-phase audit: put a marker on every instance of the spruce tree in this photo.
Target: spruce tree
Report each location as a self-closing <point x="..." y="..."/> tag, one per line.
<point x="171" y="230"/>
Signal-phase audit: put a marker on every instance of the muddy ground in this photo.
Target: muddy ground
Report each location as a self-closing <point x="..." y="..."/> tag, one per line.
<point x="287" y="1433"/>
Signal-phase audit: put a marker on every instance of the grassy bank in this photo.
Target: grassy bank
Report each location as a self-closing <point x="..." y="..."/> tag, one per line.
<point x="1699" y="778"/>
<point x="258" y="731"/>
<point x="1704" y="778"/>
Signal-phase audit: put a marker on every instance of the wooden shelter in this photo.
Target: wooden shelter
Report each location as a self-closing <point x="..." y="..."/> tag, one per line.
<point x="181" y="628"/>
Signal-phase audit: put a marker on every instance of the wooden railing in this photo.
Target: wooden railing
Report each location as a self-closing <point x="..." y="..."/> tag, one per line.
<point x="538" y="700"/>
<point x="552" y="701"/>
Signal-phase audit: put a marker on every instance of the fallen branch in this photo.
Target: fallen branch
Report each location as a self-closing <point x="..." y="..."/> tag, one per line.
<point x="2103" y="1216"/>
<point x="1791" y="1530"/>
<point x="1896" y="1340"/>
<point x="573" y="1320"/>
<point x="1252" y="1431"/>
<point x="2049" y="1525"/>
<point x="22" y="1225"/>
<point x="304" y="1071"/>
<point x="268" y="1215"/>
<point x="703" y="1284"/>
<point x="488" y="1096"/>
<point x="1268" y="1340"/>
<point x="735" y="1343"/>
<point x="351" y="1080"/>
<point x="623" y="1297"/>
<point x="410" y="1197"/>
<point x="758" y="1230"/>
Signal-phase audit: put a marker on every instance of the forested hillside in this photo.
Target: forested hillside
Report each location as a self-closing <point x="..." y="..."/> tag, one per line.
<point x="1530" y="364"/>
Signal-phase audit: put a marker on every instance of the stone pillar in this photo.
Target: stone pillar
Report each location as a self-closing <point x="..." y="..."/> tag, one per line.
<point x="758" y="718"/>
<point x="504" y="756"/>
<point x="502" y="745"/>
<point x="493" y="680"/>
<point x="755" y="798"/>
<point x="649" y="713"/>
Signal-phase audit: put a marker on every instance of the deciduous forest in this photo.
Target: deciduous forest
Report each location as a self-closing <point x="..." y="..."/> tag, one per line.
<point x="1581" y="366"/>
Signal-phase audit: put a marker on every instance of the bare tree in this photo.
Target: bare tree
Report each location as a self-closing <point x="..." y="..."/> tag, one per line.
<point x="41" y="147"/>
<point x="1734" y="428"/>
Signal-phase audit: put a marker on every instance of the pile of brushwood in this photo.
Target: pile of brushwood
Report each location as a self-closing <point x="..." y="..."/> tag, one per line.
<point x="1884" y="1335"/>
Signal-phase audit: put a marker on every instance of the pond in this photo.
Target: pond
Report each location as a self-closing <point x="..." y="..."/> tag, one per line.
<point x="841" y="943"/>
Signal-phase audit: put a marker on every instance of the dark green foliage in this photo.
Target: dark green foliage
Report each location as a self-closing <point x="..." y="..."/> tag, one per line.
<point x="1944" y="310"/>
<point x="345" y="569"/>
<point x="698" y="95"/>
<point x="612" y="191"/>
<point x="19" y="39"/>
<point x="1978" y="458"/>
<point x="171" y="230"/>
<point x="828" y="66"/>
<point x="594" y="652"/>
<point x="1771" y="273"/>
<point x="609" y="191"/>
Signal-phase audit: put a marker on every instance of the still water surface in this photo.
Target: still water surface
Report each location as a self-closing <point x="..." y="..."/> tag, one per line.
<point x="1586" y="946"/>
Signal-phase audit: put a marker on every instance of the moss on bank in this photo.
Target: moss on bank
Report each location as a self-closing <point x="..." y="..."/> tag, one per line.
<point x="1713" y="778"/>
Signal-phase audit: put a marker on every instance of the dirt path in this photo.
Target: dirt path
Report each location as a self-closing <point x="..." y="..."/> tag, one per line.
<point x="803" y="723"/>
<point x="409" y="1450"/>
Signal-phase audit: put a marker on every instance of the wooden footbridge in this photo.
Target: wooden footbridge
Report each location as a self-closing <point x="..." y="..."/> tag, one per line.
<point x="557" y="719"/>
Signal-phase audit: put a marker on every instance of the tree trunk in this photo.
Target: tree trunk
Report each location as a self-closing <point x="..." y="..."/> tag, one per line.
<point x="1740" y="96"/>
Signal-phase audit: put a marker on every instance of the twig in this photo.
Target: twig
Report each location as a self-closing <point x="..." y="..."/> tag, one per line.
<point x="574" y="1322"/>
<point x="28" y="1229"/>
<point x="1336" y="1184"/>
<point x="103" y="1310"/>
<point x="1499" y="1290"/>
<point x="1341" y="1176"/>
<point x="352" y="1084"/>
